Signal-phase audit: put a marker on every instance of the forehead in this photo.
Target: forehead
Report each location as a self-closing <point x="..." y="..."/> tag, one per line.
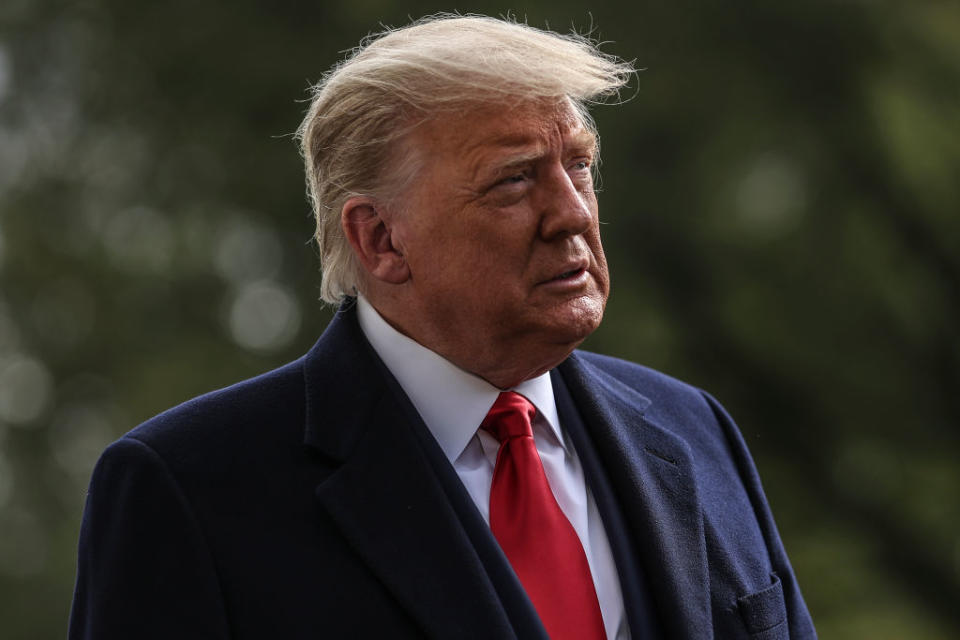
<point x="477" y="132"/>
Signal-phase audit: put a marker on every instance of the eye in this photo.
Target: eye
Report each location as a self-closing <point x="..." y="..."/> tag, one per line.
<point x="514" y="179"/>
<point x="581" y="173"/>
<point x="509" y="189"/>
<point x="581" y="165"/>
<point x="514" y="182"/>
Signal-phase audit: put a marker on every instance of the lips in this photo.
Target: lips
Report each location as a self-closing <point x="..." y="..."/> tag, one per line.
<point x="569" y="270"/>
<point x="567" y="274"/>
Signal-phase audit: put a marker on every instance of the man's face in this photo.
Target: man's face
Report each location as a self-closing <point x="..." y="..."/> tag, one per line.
<point x="501" y="236"/>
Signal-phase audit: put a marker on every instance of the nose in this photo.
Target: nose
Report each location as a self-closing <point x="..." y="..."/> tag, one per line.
<point x="566" y="210"/>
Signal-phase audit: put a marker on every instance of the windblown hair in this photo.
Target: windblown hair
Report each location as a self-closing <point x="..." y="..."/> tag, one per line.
<point x="361" y="110"/>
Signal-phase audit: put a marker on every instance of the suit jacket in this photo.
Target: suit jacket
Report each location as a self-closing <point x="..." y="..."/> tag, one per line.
<point x="311" y="502"/>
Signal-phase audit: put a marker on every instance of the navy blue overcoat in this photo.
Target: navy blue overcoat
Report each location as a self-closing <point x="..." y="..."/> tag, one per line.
<point x="310" y="502"/>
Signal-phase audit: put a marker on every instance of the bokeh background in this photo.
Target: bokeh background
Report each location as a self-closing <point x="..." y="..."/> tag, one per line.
<point x="781" y="199"/>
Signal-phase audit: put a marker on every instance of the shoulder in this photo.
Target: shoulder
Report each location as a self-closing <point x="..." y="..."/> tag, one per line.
<point x="254" y="415"/>
<point x="683" y="409"/>
<point x="631" y="372"/>
<point x="660" y="389"/>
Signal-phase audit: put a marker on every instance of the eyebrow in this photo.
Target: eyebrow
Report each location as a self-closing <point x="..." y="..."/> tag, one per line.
<point x="584" y="140"/>
<point x="581" y="141"/>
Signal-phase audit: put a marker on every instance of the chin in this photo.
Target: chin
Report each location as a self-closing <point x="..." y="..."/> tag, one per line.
<point x="576" y="323"/>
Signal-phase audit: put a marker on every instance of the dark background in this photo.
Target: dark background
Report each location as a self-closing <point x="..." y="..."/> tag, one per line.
<point x="780" y="200"/>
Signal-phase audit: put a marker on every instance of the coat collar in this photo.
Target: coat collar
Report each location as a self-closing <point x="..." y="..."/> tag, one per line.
<point x="387" y="500"/>
<point x="385" y="496"/>
<point x="651" y="470"/>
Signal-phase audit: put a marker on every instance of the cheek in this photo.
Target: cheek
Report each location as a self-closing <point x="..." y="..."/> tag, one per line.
<point x="502" y="252"/>
<point x="596" y="248"/>
<point x="477" y="254"/>
<point x="603" y="271"/>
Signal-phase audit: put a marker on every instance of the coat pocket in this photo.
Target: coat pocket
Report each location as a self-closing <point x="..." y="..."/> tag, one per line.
<point x="764" y="613"/>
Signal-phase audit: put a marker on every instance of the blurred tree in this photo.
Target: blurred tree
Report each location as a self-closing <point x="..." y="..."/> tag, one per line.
<point x="780" y="201"/>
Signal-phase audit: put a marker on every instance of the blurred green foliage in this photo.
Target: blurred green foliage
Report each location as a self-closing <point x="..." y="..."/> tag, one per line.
<point x="780" y="200"/>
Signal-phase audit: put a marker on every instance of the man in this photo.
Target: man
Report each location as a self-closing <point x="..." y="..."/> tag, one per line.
<point x="442" y="463"/>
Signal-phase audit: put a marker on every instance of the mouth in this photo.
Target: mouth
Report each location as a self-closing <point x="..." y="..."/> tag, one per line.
<point x="572" y="272"/>
<point x="567" y="274"/>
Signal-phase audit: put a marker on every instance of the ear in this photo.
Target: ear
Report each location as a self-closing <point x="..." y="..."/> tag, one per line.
<point x="368" y="230"/>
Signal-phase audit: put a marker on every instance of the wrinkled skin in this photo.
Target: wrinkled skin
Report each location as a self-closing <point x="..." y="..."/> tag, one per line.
<point x="493" y="257"/>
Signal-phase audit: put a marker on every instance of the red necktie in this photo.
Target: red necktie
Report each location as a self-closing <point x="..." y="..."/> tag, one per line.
<point x="532" y="530"/>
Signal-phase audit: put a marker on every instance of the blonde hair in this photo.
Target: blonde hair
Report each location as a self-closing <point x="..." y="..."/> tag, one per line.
<point x="399" y="78"/>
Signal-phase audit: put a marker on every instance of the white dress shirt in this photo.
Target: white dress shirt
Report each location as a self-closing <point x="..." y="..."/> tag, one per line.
<point x="453" y="403"/>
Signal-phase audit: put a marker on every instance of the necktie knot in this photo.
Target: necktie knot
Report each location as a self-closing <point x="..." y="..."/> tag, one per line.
<point x="511" y="416"/>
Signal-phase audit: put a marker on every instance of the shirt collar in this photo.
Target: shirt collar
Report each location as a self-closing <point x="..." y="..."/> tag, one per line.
<point x="451" y="401"/>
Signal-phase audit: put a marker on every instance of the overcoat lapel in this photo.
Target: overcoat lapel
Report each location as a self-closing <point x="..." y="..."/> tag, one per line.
<point x="652" y="474"/>
<point x="385" y="497"/>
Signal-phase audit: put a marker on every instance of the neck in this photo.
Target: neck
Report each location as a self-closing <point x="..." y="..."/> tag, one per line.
<point x="502" y="363"/>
